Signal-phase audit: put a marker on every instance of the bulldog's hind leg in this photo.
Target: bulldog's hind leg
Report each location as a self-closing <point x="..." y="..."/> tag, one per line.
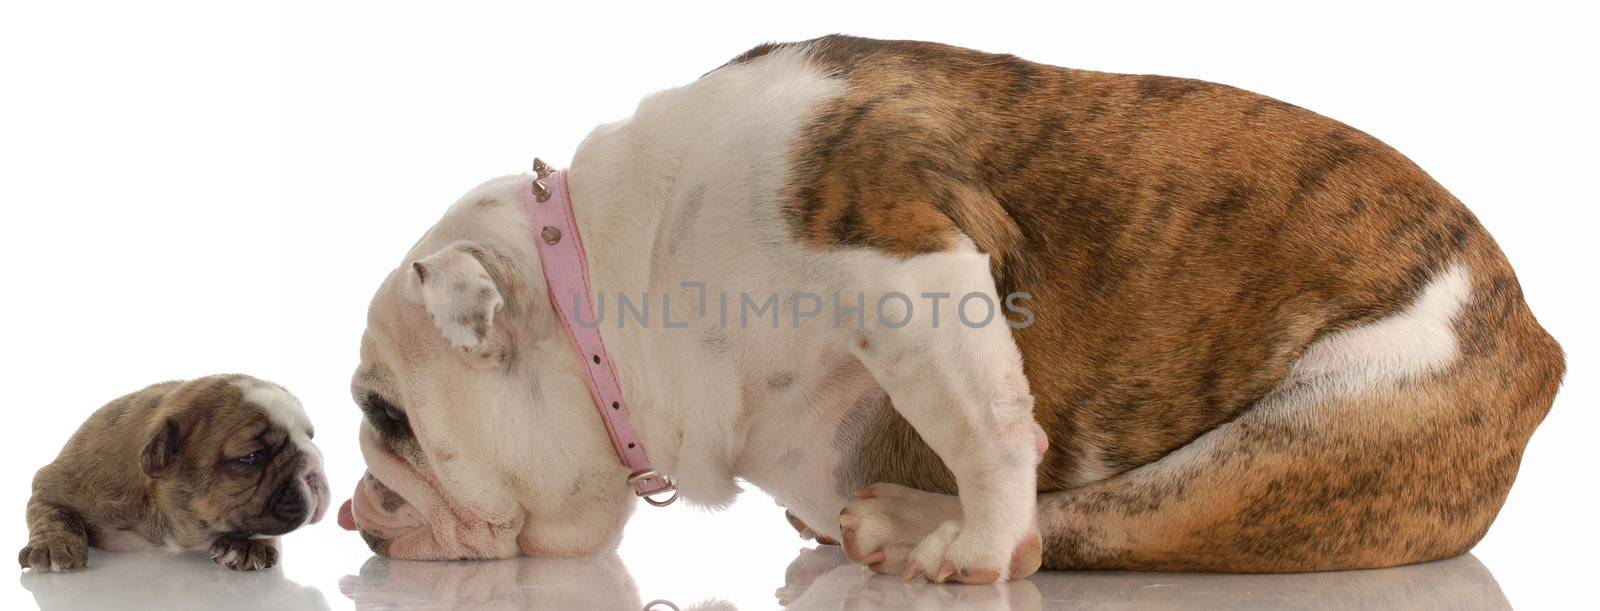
<point x="1299" y="483"/>
<point x="1326" y="474"/>
<point x="956" y="376"/>
<point x="1390" y="444"/>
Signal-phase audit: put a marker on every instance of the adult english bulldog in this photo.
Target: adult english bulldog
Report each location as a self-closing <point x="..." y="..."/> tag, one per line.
<point x="865" y="275"/>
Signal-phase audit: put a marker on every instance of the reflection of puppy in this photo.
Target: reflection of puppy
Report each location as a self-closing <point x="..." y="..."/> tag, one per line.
<point x="152" y="580"/>
<point x="224" y="462"/>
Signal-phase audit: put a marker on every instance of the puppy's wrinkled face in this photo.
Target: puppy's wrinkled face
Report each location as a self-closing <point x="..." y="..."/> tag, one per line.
<point x="480" y="437"/>
<point x="236" y="452"/>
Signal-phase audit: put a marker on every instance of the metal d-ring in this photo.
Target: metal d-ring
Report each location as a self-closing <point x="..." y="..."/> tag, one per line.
<point x="651" y="474"/>
<point x="655" y="503"/>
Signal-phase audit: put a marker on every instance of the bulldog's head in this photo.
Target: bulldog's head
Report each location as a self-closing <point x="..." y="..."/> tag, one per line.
<point x="236" y="453"/>
<point x="480" y="437"/>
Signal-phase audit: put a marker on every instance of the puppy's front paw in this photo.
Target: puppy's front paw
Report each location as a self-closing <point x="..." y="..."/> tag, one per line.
<point x="55" y="552"/>
<point x="244" y="554"/>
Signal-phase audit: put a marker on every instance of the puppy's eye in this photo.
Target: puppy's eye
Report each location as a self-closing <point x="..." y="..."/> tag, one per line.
<point x="251" y="458"/>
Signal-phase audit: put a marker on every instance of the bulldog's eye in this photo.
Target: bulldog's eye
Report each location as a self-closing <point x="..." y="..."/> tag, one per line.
<point x="385" y="416"/>
<point x="251" y="458"/>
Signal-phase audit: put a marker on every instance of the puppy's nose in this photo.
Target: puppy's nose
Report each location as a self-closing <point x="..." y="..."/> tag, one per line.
<point x="288" y="504"/>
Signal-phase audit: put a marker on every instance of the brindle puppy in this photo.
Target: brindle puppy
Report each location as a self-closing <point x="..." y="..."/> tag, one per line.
<point x="222" y="462"/>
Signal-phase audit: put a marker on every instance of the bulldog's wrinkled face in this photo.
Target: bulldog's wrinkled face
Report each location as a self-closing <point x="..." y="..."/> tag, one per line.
<point x="480" y="437"/>
<point x="236" y="452"/>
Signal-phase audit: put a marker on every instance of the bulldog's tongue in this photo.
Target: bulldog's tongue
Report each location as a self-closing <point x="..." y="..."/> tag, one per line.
<point x="347" y="517"/>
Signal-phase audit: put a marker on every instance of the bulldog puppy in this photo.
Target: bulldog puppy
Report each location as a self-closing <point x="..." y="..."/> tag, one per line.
<point x="223" y="463"/>
<point x="872" y="272"/>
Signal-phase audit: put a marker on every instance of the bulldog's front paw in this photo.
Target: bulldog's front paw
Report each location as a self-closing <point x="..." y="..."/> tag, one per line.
<point x="60" y="551"/>
<point x="245" y="554"/>
<point x="898" y="530"/>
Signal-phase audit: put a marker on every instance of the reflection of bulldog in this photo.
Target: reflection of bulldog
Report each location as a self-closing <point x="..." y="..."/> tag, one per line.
<point x="1255" y="338"/>
<point x="822" y="578"/>
<point x="600" y="582"/>
<point x="223" y="463"/>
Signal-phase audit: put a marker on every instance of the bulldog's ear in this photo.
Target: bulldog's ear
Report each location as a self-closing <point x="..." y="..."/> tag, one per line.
<point x="461" y="298"/>
<point x="161" y="452"/>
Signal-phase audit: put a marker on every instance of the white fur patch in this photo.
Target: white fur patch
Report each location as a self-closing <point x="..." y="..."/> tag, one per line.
<point x="282" y="408"/>
<point x="1418" y="340"/>
<point x="690" y="190"/>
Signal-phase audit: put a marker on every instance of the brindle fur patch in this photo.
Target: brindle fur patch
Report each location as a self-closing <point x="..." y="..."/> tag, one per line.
<point x="1184" y="242"/>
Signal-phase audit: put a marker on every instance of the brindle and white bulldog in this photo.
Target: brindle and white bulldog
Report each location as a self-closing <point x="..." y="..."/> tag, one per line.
<point x="223" y="463"/>
<point x="1257" y="339"/>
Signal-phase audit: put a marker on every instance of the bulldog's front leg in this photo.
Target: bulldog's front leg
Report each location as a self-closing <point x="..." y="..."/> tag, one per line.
<point x="961" y="386"/>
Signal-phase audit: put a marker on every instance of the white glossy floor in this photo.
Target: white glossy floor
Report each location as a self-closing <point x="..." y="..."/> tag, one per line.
<point x="816" y="579"/>
<point x="748" y="558"/>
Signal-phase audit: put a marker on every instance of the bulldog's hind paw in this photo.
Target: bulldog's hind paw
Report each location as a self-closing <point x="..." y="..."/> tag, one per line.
<point x="897" y="530"/>
<point x="245" y="554"/>
<point x="55" y="552"/>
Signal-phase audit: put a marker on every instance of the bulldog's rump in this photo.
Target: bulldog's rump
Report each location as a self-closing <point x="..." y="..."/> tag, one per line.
<point x="1183" y="244"/>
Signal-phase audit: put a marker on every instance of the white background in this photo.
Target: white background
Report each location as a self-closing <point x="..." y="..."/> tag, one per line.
<point x="208" y="187"/>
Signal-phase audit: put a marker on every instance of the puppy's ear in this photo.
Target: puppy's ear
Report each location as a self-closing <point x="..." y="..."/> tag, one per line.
<point x="461" y="298"/>
<point x="160" y="454"/>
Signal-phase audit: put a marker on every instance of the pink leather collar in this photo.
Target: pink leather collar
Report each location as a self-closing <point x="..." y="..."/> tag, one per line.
<point x="566" y="271"/>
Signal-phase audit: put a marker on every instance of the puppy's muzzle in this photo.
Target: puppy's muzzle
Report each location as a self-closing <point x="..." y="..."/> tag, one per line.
<point x="289" y="504"/>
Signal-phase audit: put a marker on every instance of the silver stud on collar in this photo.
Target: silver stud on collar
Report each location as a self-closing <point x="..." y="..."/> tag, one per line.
<point x="541" y="168"/>
<point x="551" y="235"/>
<point x="540" y="191"/>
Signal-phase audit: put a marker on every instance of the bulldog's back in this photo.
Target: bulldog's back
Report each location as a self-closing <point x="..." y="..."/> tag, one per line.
<point x="1184" y="243"/>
